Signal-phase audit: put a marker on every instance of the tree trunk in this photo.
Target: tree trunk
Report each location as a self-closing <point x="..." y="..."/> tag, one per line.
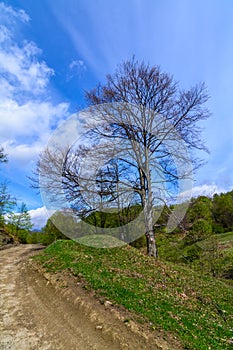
<point x="151" y="245"/>
<point x="148" y="216"/>
<point x="150" y="236"/>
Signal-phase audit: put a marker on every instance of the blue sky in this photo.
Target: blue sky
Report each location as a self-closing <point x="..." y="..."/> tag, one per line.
<point x="51" y="51"/>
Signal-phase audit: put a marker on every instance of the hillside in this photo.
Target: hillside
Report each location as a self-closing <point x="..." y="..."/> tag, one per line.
<point x="213" y="255"/>
<point x="6" y="238"/>
<point x="165" y="296"/>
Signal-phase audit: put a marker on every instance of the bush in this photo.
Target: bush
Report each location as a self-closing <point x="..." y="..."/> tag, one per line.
<point x="191" y="253"/>
<point x="201" y="229"/>
<point x="217" y="228"/>
<point x="23" y="237"/>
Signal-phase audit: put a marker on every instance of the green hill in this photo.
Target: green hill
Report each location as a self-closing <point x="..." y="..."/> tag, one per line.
<point x="196" y="309"/>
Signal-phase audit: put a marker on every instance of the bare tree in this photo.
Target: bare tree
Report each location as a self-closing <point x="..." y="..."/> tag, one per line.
<point x="142" y="125"/>
<point x="162" y="111"/>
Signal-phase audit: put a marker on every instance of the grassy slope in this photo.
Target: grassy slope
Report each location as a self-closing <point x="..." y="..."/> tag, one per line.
<point x="197" y="309"/>
<point x="171" y="247"/>
<point x="223" y="239"/>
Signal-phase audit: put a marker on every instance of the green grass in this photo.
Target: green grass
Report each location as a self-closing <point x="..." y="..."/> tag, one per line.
<point x="223" y="239"/>
<point x="100" y="241"/>
<point x="196" y="309"/>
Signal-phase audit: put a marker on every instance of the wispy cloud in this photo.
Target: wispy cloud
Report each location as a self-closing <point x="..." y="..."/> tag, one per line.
<point x="87" y="49"/>
<point x="10" y="14"/>
<point x="77" y="64"/>
<point x="76" y="69"/>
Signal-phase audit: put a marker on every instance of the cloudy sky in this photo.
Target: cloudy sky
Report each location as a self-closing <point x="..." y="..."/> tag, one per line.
<point x="51" y="51"/>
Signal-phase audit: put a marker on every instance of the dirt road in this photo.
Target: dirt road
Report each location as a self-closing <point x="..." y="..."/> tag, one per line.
<point x="36" y="313"/>
<point x="32" y="316"/>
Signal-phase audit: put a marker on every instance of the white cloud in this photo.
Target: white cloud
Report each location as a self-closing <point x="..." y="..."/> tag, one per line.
<point x="204" y="190"/>
<point x="39" y="217"/>
<point x="21" y="67"/>
<point x="28" y="126"/>
<point x="77" y="67"/>
<point x="30" y="118"/>
<point x="77" y="64"/>
<point x="27" y="111"/>
<point x="8" y="13"/>
<point x="4" y="34"/>
<point x="25" y="129"/>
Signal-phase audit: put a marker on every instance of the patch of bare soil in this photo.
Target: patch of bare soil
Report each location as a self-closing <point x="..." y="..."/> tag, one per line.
<point x="52" y="311"/>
